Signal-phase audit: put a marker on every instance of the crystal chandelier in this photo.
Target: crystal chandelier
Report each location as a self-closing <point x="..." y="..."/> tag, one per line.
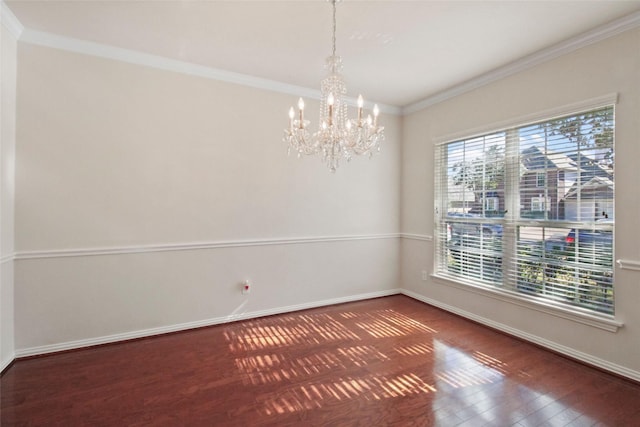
<point x="338" y="137"/>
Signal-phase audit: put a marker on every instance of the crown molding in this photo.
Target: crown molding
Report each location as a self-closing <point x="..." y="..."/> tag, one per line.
<point x="70" y="44"/>
<point x="595" y="35"/>
<point x="40" y="38"/>
<point x="9" y="21"/>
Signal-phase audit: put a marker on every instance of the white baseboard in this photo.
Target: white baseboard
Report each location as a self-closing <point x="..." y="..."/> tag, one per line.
<point x="567" y="351"/>
<point x="108" y="339"/>
<point x="71" y="345"/>
<point x="5" y="363"/>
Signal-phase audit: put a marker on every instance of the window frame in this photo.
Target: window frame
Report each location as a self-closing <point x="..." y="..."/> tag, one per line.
<point x="601" y="320"/>
<point x="491" y="203"/>
<point x="542" y="201"/>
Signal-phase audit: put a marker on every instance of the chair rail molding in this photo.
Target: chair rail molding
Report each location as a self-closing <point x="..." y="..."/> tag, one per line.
<point x="168" y="247"/>
<point x="626" y="264"/>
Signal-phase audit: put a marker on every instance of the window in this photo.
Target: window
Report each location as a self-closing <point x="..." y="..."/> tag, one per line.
<point x="539" y="204"/>
<point x="491" y="203"/>
<point x="552" y="244"/>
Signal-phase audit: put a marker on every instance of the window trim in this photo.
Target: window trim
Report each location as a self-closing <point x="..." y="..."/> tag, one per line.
<point x="593" y="318"/>
<point x="529" y="119"/>
<point x="601" y="321"/>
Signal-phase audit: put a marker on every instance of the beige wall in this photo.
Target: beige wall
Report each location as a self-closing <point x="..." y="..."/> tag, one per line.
<point x="144" y="198"/>
<point x="611" y="66"/>
<point x="7" y="187"/>
<point x="120" y="156"/>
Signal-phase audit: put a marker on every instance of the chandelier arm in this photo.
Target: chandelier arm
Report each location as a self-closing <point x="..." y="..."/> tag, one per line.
<point x="338" y="137"/>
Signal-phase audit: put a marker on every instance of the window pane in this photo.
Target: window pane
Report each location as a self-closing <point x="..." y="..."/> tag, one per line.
<point x="475" y="171"/>
<point x="572" y="158"/>
<point x="557" y="180"/>
<point x="475" y="176"/>
<point x="573" y="266"/>
<point x="476" y="252"/>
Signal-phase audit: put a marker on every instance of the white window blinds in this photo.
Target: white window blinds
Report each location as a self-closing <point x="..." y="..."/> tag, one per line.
<point x="531" y="210"/>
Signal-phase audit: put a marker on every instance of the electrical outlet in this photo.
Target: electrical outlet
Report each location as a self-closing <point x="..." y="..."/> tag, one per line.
<point x="424" y="275"/>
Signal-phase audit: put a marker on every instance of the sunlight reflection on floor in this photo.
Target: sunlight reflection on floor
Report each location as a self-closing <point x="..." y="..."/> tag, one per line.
<point x="309" y="381"/>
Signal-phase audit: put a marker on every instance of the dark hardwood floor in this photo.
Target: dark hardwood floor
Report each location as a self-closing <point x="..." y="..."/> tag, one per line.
<point x="387" y="361"/>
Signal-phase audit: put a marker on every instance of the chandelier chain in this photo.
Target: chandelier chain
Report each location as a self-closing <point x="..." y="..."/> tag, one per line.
<point x="334" y="27"/>
<point x="338" y="137"/>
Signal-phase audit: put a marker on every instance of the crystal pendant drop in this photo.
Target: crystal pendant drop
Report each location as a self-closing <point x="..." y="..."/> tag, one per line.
<point x="338" y="137"/>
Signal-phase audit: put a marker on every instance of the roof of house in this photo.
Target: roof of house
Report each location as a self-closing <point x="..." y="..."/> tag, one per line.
<point x="590" y="167"/>
<point x="534" y="159"/>
<point x="596" y="187"/>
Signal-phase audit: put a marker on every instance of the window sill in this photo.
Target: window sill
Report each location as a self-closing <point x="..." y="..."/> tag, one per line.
<point x="607" y="323"/>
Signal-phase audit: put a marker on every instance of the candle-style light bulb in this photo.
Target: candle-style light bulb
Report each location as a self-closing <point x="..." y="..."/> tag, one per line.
<point x="301" y="108"/>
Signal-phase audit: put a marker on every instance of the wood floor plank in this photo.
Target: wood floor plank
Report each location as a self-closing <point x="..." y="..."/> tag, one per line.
<point x="388" y="361"/>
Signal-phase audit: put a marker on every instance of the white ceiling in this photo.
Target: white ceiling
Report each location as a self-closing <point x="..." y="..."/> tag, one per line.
<point x="394" y="52"/>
